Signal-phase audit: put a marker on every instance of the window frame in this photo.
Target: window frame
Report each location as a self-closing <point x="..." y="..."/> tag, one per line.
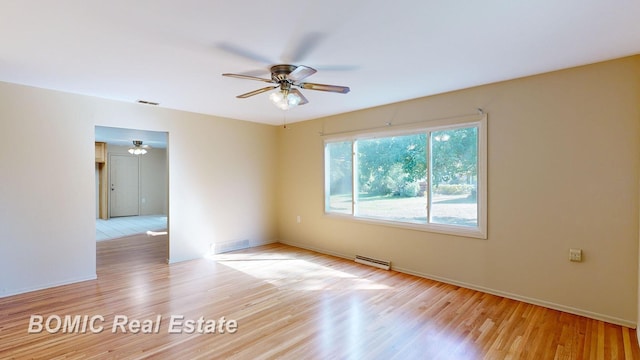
<point x="479" y="121"/>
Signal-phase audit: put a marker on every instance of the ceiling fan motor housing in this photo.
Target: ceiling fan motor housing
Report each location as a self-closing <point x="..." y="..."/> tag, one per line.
<point x="281" y="72"/>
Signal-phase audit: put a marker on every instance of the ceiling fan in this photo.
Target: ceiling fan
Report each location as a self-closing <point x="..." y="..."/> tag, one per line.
<point x="138" y="148"/>
<point x="288" y="78"/>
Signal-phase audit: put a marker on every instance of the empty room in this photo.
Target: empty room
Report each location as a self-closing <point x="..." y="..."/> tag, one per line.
<point x="319" y="180"/>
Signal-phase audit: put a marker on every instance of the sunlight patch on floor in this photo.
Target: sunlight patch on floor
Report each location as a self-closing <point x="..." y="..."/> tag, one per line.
<point x="295" y="274"/>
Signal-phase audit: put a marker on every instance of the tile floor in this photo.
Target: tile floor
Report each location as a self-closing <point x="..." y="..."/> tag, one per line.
<point x="129" y="225"/>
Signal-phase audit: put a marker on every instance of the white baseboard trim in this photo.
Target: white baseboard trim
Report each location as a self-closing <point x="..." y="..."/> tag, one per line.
<point x="228" y="246"/>
<point x="47" y="286"/>
<point x="568" y="309"/>
<point x="251" y="244"/>
<point x="525" y="299"/>
<point x="322" y="251"/>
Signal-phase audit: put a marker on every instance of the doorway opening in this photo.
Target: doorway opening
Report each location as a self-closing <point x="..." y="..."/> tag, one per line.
<point x="132" y="190"/>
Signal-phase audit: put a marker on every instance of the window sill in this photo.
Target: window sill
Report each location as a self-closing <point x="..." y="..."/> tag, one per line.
<point x="434" y="228"/>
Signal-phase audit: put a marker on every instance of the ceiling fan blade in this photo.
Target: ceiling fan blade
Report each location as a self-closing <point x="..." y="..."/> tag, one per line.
<point x="323" y="87"/>
<point x="247" y="77"/>
<point x="337" y="67"/>
<point x="301" y="72"/>
<point x="305" y="45"/>
<point x="256" y="92"/>
<point x="303" y="100"/>
<point x="242" y="52"/>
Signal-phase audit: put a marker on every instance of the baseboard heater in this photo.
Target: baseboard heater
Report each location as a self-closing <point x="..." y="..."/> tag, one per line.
<point x="381" y="264"/>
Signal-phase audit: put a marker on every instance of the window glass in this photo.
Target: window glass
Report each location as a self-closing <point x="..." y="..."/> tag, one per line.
<point x="392" y="178"/>
<point x="339" y="177"/>
<point x="454" y="177"/>
<point x="431" y="178"/>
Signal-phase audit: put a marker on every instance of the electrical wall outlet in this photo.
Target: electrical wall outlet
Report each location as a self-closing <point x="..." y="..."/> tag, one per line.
<point x="298" y="219"/>
<point x="575" y="255"/>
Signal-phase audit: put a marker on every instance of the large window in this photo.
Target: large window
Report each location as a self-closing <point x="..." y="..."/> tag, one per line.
<point x="432" y="179"/>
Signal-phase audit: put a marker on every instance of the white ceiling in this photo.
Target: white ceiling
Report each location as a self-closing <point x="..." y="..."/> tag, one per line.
<point x="174" y="52"/>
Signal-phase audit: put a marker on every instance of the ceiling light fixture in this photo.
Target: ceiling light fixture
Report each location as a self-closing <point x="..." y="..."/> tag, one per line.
<point x="286" y="99"/>
<point x="137" y="148"/>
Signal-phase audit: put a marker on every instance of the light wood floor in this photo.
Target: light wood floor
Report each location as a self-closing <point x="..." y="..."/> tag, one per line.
<point x="294" y="304"/>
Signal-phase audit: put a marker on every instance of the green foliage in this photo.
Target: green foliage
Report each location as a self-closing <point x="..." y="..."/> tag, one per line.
<point x="454" y="156"/>
<point x="388" y="165"/>
<point x="396" y="165"/>
<point x="456" y="189"/>
<point x="411" y="189"/>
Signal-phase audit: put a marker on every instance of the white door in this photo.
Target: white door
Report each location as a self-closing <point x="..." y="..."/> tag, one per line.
<point x="124" y="177"/>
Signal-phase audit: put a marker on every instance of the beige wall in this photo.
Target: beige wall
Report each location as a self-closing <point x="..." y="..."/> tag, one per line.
<point x="221" y="181"/>
<point x="563" y="168"/>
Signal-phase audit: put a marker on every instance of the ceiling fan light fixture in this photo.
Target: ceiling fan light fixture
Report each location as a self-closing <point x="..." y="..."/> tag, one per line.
<point x="285" y="100"/>
<point x="137" y="148"/>
<point x="134" y="151"/>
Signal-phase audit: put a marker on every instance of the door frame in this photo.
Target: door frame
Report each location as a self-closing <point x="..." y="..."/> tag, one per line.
<point x="103" y="190"/>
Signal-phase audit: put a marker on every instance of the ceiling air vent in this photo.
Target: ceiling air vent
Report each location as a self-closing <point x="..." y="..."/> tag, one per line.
<point x="148" y="102"/>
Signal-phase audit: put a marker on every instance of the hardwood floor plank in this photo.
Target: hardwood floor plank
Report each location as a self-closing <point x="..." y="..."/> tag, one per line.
<point x="291" y="303"/>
